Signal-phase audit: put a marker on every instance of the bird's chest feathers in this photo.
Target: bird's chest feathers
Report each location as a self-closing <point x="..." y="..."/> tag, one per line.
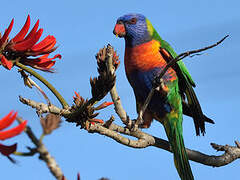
<point x="143" y="57"/>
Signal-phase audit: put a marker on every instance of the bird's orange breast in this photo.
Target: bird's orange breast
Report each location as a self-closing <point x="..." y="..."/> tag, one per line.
<point x="143" y="57"/>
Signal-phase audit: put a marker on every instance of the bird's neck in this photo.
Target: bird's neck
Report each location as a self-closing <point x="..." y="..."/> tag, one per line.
<point x="132" y="41"/>
<point x="143" y="57"/>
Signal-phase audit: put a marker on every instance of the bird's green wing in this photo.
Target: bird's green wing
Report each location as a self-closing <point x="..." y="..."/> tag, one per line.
<point x="186" y="84"/>
<point x="165" y="45"/>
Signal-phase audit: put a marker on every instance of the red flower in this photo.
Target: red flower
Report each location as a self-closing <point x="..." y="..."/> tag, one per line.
<point x="24" y="45"/>
<point x="116" y="60"/>
<point x="4" y="123"/>
<point x="103" y="105"/>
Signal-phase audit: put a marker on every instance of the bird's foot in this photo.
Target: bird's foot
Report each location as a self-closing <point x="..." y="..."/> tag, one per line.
<point x="157" y="82"/>
<point x="160" y="85"/>
<point x="134" y="125"/>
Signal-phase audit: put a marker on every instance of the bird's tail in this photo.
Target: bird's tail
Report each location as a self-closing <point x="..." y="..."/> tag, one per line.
<point x="173" y="129"/>
<point x="196" y="111"/>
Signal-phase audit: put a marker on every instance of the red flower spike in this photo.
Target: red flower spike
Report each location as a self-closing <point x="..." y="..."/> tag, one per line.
<point x="104" y="105"/>
<point x="47" y="65"/>
<point x="4" y="123"/>
<point x="7" y="120"/>
<point x="93" y="121"/>
<point x="43" y="62"/>
<point x="44" y="66"/>
<point x="107" y="103"/>
<point x="7" y="64"/>
<point x="50" y="47"/>
<point x="7" y="32"/>
<point x="33" y="31"/>
<point x="20" y="36"/>
<point x="116" y="61"/>
<point x="13" y="131"/>
<point x="27" y="44"/>
<point x="46" y="44"/>
<point x="7" y="150"/>
<point x="77" y="95"/>
<point x="45" y="57"/>
<point x="41" y="58"/>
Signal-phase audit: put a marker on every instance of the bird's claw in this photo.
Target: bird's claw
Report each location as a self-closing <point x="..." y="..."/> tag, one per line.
<point x="134" y="125"/>
<point x="157" y="82"/>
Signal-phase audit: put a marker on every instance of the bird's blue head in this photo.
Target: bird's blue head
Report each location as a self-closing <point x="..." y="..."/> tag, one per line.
<point x="135" y="28"/>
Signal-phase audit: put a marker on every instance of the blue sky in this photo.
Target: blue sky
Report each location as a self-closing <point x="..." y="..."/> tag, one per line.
<point x="81" y="29"/>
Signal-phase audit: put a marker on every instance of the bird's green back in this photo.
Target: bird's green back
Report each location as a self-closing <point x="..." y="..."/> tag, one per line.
<point x="192" y="107"/>
<point x="165" y="45"/>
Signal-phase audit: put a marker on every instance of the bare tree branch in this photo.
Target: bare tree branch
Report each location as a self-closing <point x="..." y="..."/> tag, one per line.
<point x="44" y="108"/>
<point x="44" y="154"/>
<point x="114" y="131"/>
<point x="231" y="153"/>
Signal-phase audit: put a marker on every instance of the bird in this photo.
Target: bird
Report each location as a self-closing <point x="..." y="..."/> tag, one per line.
<point x="146" y="55"/>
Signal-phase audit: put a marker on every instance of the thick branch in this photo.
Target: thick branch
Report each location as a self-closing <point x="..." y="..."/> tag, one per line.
<point x="44" y="154"/>
<point x="231" y="153"/>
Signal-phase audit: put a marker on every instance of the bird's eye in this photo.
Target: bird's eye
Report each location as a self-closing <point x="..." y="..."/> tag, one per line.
<point x="133" y="21"/>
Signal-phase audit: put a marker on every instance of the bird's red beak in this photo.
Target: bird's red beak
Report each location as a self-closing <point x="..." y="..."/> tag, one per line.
<point x="119" y="30"/>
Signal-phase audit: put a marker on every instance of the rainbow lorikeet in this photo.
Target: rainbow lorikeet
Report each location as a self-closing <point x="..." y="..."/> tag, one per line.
<point x="146" y="54"/>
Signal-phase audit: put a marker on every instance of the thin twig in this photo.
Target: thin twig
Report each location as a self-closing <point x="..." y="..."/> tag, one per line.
<point x="44" y="81"/>
<point x="29" y="82"/>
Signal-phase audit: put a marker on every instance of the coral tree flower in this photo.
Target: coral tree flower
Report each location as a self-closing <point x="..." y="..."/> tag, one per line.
<point x="6" y="134"/>
<point x="24" y="47"/>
